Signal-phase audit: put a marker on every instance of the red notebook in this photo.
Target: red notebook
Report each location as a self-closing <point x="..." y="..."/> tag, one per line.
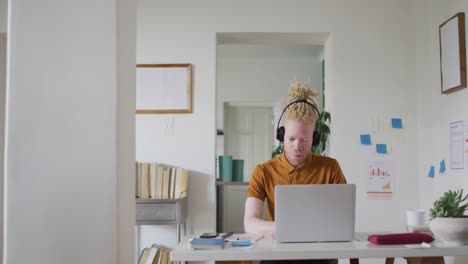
<point x="402" y="238"/>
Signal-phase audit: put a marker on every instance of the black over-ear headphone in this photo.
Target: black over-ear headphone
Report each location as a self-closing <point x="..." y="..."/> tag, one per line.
<point x="316" y="135"/>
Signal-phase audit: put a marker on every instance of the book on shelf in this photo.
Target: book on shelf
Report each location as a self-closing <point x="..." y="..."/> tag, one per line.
<point x="165" y="181"/>
<point x="155" y="255"/>
<point x="172" y="182"/>
<point x="181" y="183"/>
<point x="207" y="243"/>
<point x="138" y="179"/>
<point x="164" y="258"/>
<point x="145" y="180"/>
<point x="160" y="181"/>
<point x="144" y="256"/>
<point x="178" y="183"/>
<point x="153" y="168"/>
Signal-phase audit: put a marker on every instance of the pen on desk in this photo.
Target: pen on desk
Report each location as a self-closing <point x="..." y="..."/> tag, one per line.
<point x="228" y="234"/>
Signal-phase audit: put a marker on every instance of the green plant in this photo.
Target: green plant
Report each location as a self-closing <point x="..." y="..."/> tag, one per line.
<point x="451" y="204"/>
<point x="278" y="150"/>
<point x="324" y="130"/>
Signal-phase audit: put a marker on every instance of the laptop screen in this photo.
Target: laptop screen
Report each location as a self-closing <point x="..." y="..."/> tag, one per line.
<point x="315" y="212"/>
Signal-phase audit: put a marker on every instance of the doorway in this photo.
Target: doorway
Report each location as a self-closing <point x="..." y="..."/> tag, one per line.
<point x="249" y="136"/>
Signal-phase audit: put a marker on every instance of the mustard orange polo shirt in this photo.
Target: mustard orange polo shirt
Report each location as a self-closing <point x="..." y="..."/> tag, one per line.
<point x="316" y="169"/>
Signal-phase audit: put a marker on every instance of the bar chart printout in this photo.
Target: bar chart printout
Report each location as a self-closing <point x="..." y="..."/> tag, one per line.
<point x="380" y="183"/>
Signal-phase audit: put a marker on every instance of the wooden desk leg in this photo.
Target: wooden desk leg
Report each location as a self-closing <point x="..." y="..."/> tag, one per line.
<point x="389" y="260"/>
<point x="425" y="260"/>
<point x="354" y="261"/>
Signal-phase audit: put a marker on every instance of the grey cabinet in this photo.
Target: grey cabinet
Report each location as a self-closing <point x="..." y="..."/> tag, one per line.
<point x="162" y="212"/>
<point x="231" y="198"/>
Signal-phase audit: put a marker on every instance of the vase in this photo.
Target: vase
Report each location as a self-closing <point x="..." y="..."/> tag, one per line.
<point x="450" y="230"/>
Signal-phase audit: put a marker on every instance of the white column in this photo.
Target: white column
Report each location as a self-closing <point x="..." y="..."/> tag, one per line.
<point x="65" y="117"/>
<point x="3" y="61"/>
<point x="126" y="94"/>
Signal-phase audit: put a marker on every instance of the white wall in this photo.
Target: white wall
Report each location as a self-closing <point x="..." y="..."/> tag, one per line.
<point x="435" y="110"/>
<point x="62" y="133"/>
<point x="262" y="72"/>
<point x="369" y="73"/>
<point x="3" y="15"/>
<point x="3" y="63"/>
<point x="370" y="68"/>
<point x="3" y="59"/>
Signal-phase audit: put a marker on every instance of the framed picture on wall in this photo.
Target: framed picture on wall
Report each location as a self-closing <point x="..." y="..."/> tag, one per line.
<point x="453" y="54"/>
<point x="163" y="88"/>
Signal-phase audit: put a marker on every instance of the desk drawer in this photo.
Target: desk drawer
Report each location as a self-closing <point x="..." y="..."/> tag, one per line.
<point x="156" y="212"/>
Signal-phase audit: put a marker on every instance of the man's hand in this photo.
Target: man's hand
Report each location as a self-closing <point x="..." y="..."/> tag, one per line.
<point x="253" y="220"/>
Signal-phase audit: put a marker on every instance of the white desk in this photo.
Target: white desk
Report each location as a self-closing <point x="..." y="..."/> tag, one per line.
<point x="267" y="249"/>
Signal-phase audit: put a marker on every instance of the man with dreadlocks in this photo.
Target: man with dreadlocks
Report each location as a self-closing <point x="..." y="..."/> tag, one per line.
<point x="296" y="165"/>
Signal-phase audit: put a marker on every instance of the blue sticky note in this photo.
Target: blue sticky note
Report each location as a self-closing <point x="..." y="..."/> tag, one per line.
<point x="396" y="123"/>
<point x="381" y="148"/>
<point x="241" y="243"/>
<point x="431" y="172"/>
<point x="365" y="139"/>
<point x="442" y="167"/>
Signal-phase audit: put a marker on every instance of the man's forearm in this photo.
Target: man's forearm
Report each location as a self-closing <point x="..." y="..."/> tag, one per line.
<point x="259" y="226"/>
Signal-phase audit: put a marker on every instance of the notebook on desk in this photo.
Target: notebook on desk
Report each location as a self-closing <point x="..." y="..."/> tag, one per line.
<point x="315" y="212"/>
<point x="239" y="237"/>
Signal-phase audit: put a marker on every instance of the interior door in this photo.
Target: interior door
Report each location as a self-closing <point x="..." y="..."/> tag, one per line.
<point x="249" y="135"/>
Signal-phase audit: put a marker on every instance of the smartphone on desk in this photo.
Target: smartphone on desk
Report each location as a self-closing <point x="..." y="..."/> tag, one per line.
<point x="209" y="235"/>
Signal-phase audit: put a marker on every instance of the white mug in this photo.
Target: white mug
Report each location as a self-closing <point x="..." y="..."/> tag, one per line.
<point x="415" y="218"/>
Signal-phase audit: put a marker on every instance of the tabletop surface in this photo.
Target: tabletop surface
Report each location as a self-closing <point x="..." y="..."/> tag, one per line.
<point x="268" y="249"/>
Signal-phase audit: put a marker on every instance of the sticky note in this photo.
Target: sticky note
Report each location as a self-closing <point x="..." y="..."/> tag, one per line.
<point x="381" y="148"/>
<point x="396" y="123"/>
<point x="366" y="139"/>
<point x="241" y="243"/>
<point x="442" y="167"/>
<point x="383" y="125"/>
<point x="389" y="148"/>
<point x="431" y="172"/>
<point x="399" y="135"/>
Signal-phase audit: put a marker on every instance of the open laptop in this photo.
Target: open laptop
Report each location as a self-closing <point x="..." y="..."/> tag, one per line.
<point x="315" y="212"/>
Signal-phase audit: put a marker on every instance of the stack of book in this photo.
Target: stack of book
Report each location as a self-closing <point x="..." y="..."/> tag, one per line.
<point x="159" y="181"/>
<point x="155" y="255"/>
<point x="207" y="243"/>
<point x="420" y="229"/>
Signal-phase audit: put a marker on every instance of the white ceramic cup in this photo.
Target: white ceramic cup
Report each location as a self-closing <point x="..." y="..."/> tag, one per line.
<point x="415" y="218"/>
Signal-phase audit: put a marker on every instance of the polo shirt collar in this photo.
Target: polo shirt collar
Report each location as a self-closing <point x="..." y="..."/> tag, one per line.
<point x="289" y="167"/>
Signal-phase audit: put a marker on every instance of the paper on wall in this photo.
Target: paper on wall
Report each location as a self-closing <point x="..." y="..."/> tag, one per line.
<point x="465" y="139"/>
<point x="380" y="179"/>
<point x="457" y="148"/>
